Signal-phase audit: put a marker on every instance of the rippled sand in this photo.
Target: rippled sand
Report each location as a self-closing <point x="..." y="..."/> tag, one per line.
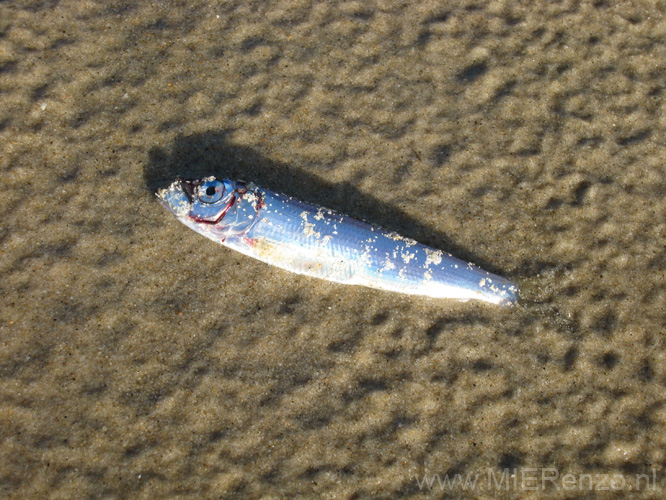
<point x="139" y="360"/>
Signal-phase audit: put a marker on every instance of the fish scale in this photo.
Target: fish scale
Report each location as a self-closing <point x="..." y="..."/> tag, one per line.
<point x="315" y="241"/>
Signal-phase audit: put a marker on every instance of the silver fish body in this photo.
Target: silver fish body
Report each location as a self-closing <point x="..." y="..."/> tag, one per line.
<point x="315" y="241"/>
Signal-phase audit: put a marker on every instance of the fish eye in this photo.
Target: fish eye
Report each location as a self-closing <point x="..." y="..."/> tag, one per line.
<point x="210" y="191"/>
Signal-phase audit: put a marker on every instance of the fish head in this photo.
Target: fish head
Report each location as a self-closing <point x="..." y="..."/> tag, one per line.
<point x="200" y="202"/>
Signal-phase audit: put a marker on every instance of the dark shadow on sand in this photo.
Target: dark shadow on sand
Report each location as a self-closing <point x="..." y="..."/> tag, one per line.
<point x="201" y="155"/>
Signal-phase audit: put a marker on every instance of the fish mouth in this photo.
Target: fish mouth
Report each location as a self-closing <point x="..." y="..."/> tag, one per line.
<point x="188" y="187"/>
<point x="178" y="197"/>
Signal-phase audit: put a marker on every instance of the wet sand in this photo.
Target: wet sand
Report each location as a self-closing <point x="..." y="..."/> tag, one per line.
<point x="140" y="360"/>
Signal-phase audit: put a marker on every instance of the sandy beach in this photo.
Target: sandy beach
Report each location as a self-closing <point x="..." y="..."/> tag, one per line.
<point x="141" y="360"/>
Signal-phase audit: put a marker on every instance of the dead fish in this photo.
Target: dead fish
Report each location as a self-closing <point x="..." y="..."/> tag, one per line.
<point x="315" y="241"/>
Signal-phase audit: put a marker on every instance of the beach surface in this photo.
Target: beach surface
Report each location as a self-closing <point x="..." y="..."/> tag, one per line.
<point x="140" y="360"/>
